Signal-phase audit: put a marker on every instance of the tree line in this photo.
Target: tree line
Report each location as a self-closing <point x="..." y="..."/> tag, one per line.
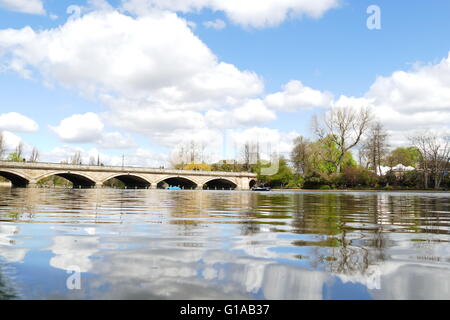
<point x="19" y="155"/>
<point x="327" y="161"/>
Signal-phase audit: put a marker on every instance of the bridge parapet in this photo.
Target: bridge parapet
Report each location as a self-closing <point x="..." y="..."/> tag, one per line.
<point x="25" y="173"/>
<point x="62" y="166"/>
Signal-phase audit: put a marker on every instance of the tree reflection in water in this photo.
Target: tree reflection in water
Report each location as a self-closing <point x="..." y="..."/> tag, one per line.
<point x="6" y="290"/>
<point x="352" y="231"/>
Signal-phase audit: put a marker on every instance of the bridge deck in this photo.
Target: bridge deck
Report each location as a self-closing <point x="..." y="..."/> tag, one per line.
<point x="69" y="167"/>
<point x="28" y="174"/>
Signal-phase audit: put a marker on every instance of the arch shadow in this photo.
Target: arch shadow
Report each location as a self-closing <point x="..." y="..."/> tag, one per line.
<point x="17" y="179"/>
<point x="219" y="184"/>
<point x="181" y="182"/>
<point x="78" y="180"/>
<point x="129" y="181"/>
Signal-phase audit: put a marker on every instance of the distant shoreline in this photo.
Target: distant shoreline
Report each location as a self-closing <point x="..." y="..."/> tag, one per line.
<point x="363" y="190"/>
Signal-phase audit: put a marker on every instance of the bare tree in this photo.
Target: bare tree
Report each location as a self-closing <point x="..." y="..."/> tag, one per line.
<point x="375" y="148"/>
<point x="257" y="152"/>
<point x="364" y="156"/>
<point x="76" y="158"/>
<point x="92" y="161"/>
<point x="2" y="145"/>
<point x="246" y="154"/>
<point x="19" y="150"/>
<point x="187" y="153"/>
<point x="203" y="157"/>
<point x="439" y="152"/>
<point x="420" y="142"/>
<point x="34" y="156"/>
<point x="180" y="160"/>
<point x="300" y="154"/>
<point x="435" y="153"/>
<point x="250" y="154"/>
<point x="193" y="152"/>
<point x="345" y="126"/>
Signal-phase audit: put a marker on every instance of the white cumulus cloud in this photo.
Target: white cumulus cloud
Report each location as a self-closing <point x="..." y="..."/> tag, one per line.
<point x="253" y="112"/>
<point x="130" y="65"/>
<point x="407" y="101"/>
<point x="248" y="13"/>
<point x="80" y="128"/>
<point x="140" y="157"/>
<point x="24" y="6"/>
<point x="217" y="24"/>
<point x="115" y="140"/>
<point x="269" y="140"/>
<point x="89" y="128"/>
<point x="17" y="122"/>
<point x="107" y="51"/>
<point x="296" y="96"/>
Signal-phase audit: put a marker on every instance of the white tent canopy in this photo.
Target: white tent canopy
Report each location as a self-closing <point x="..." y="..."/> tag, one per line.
<point x="397" y="168"/>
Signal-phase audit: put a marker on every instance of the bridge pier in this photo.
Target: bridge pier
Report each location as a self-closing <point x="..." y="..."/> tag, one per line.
<point x="199" y="187"/>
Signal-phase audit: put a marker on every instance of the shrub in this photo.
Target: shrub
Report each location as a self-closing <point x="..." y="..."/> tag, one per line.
<point x="357" y="177"/>
<point x="297" y="181"/>
<point x="197" y="167"/>
<point x="446" y="182"/>
<point x="389" y="179"/>
<point x="411" y="179"/>
<point x="317" y="179"/>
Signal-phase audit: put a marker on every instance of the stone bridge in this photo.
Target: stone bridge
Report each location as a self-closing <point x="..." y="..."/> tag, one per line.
<point x="23" y="174"/>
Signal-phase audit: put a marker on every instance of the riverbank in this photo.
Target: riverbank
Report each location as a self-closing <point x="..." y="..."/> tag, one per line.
<point x="366" y="190"/>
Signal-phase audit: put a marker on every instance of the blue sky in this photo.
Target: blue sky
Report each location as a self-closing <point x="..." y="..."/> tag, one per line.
<point x="334" y="54"/>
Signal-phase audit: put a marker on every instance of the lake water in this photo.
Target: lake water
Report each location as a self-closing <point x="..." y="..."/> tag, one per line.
<point x="158" y="244"/>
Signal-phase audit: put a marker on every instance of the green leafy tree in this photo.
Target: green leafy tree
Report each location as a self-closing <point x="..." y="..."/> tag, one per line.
<point x="326" y="152"/>
<point x="281" y="179"/>
<point x="227" y="166"/>
<point x="15" y="157"/>
<point x="409" y="157"/>
<point x="344" y="126"/>
<point x="314" y="163"/>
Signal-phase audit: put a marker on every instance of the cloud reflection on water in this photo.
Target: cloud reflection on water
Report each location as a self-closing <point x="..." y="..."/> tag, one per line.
<point x="232" y="245"/>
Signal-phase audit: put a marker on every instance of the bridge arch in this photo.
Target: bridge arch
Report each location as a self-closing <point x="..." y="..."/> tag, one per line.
<point x="220" y="184"/>
<point x="176" y="181"/>
<point x="252" y="183"/>
<point x="17" y="179"/>
<point x="131" y="181"/>
<point x="79" y="180"/>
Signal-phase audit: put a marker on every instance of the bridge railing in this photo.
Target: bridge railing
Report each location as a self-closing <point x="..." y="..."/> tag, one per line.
<point x="84" y="167"/>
